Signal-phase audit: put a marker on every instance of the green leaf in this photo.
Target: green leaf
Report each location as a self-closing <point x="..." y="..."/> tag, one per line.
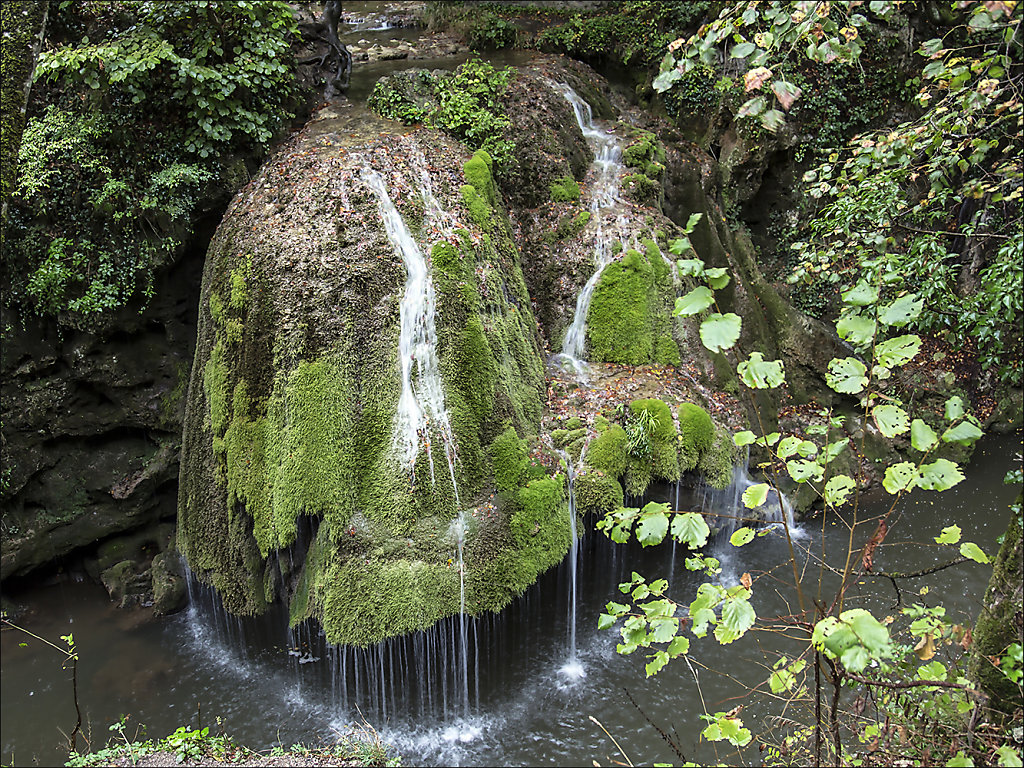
<point x="742" y="50"/>
<point x="861" y="295"/>
<point x="666" y="79"/>
<point x="856" y="329"/>
<point x="950" y="535"/>
<point x="940" y="475"/>
<point x="922" y="437"/>
<point x="652" y="529"/>
<point x="772" y="120"/>
<point x="890" y="420"/>
<point x="846" y="375"/>
<point x="696" y="301"/>
<point x="752" y="107"/>
<point x="738" y="616"/>
<point x="801" y="471"/>
<point x="663" y="629"/>
<point x="755" y="495"/>
<point x="1008" y="756"/>
<point x="741" y="537"/>
<point x="768" y="440"/>
<point x="692" y="222"/>
<point x="973" y="551"/>
<point x="744" y="437"/>
<point x="757" y="373"/>
<point x="717" y="278"/>
<point x="954" y="408"/>
<point x="838" y="488"/>
<point x="719" y="332"/>
<point x="654" y="666"/>
<point x="787" y="446"/>
<point x="964" y="433"/>
<point x="605" y="621"/>
<point x="678" y="646"/>
<point x="833" y="449"/>
<point x="900" y="477"/>
<point x="960" y="760"/>
<point x="656" y="609"/>
<point x="690" y="528"/>
<point x="689" y="267"/>
<point x="898" y="350"/>
<point x="902" y="311"/>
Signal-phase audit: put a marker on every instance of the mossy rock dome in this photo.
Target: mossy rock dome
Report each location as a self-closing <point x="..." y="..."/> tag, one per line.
<point x="292" y="487"/>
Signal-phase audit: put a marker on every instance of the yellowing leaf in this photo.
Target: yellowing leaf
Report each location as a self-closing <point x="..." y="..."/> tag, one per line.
<point x="925" y="648"/>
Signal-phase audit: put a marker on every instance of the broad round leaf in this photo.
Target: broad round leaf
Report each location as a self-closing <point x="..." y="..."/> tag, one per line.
<point x="898" y="350"/>
<point x="902" y="311"/>
<point x="697" y="300"/>
<point x="690" y="528"/>
<point x="973" y="551"/>
<point x="940" y="475"/>
<point x="720" y="332"/>
<point x="900" y="477"/>
<point x="717" y="277"/>
<point x="847" y="375"/>
<point x="890" y="419"/>
<point x="856" y="329"/>
<point x="861" y="295"/>
<point x="954" y="408"/>
<point x="741" y="537"/>
<point x="746" y="437"/>
<point x="950" y="535"/>
<point x="758" y="373"/>
<point x="922" y="437"/>
<point x="838" y="488"/>
<point x="802" y="471"/>
<point x="755" y="495"/>
<point x="964" y="433"/>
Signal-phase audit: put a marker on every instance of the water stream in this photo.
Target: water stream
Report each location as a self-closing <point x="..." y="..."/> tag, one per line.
<point x="524" y="712"/>
<point x="604" y="193"/>
<point x="421" y="408"/>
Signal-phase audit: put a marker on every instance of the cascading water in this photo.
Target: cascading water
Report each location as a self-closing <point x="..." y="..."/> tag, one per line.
<point x="604" y="194"/>
<point x="572" y="667"/>
<point x="421" y="407"/>
<point x="458" y="529"/>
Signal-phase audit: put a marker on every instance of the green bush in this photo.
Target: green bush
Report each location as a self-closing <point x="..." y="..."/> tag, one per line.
<point x="565" y="189"/>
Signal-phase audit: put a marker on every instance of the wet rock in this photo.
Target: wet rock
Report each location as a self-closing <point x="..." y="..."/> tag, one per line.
<point x="168" y="584"/>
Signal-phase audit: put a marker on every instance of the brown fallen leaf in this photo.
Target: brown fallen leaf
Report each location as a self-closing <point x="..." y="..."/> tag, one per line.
<point x="925" y="648"/>
<point x="876" y="538"/>
<point x="745" y="580"/>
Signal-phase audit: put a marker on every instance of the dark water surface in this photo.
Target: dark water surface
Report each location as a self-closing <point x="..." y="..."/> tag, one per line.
<point x="525" y="708"/>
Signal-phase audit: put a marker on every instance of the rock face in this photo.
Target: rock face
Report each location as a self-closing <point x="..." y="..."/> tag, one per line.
<point x="297" y="478"/>
<point x="91" y="424"/>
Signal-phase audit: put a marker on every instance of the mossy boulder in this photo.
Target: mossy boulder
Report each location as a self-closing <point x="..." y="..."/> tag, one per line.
<point x="630" y="319"/>
<point x="597" y="493"/>
<point x="289" y="440"/>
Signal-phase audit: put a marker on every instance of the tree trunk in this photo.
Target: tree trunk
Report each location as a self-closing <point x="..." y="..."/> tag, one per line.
<point x="21" y="34"/>
<point x="1000" y="623"/>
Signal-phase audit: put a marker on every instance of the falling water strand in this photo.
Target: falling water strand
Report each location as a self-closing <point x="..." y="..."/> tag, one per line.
<point x="463" y="646"/>
<point x="421" y="407"/>
<point x="605" y="193"/>
<point x="572" y="668"/>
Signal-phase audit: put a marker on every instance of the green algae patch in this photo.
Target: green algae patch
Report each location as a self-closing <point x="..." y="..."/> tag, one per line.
<point x="597" y="493"/>
<point x="607" y="451"/>
<point x="564" y="189"/>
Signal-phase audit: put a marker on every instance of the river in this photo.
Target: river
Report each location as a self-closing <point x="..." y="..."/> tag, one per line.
<point x="525" y="711"/>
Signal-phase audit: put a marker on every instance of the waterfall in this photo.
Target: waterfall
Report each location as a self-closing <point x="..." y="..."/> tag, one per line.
<point x="572" y="668"/>
<point x="604" y="194"/>
<point x="421" y="408"/>
<point x="458" y="529"/>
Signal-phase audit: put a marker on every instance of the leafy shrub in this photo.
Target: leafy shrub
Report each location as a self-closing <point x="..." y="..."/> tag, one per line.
<point x="466" y="105"/>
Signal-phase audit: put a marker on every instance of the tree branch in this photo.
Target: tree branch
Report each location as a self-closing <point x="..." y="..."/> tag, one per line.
<point x="916" y="684"/>
<point x="915" y="574"/>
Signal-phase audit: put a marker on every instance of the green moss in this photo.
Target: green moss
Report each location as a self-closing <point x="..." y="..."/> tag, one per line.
<point x="607" y="451"/>
<point x="642" y="189"/>
<point x="661" y="460"/>
<point x="479" y="172"/>
<point x="696" y="434"/>
<point x="666" y="351"/>
<point x="717" y="462"/>
<point x="597" y="492"/>
<point x="537" y="523"/>
<point x="479" y="211"/>
<point x="570" y="226"/>
<point x="215" y="380"/>
<point x="240" y="285"/>
<point x="619" y="322"/>
<point x="216" y="308"/>
<point x="565" y="189"/>
<point x="573" y="422"/>
<point x="21" y="22"/>
<point x="508" y="461"/>
<point x="562" y="437"/>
